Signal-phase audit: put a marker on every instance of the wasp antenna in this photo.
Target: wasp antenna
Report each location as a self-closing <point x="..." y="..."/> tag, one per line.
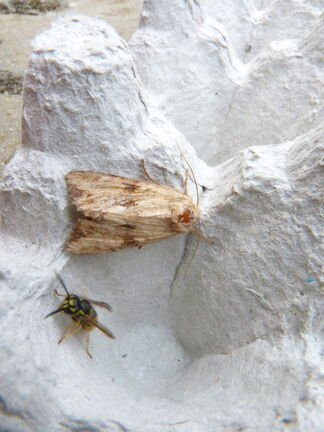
<point x="62" y="282"/>
<point x="193" y="175"/>
<point x="54" y="312"/>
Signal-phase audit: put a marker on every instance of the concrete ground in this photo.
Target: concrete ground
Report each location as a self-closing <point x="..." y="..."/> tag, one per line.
<point x="20" y="21"/>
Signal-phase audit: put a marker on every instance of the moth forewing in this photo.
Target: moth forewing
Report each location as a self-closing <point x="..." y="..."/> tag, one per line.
<point x="118" y="212"/>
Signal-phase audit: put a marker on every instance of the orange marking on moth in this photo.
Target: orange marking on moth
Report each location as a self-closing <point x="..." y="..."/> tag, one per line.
<point x="185" y="216"/>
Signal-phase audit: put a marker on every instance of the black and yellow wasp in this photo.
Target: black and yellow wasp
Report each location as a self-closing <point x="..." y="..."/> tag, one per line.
<point x="82" y="313"/>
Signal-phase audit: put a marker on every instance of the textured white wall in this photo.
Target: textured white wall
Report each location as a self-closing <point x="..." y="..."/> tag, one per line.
<point x="237" y="343"/>
<point x="219" y="99"/>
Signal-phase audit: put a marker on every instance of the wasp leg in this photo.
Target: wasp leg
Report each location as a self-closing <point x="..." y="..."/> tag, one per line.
<point x="58" y="294"/>
<point x="86" y="343"/>
<point x="147" y="174"/>
<point x="70" y="330"/>
<point x="100" y="304"/>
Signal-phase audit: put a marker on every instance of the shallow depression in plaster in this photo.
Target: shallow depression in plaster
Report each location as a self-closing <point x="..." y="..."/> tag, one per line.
<point x="151" y="354"/>
<point x="146" y="354"/>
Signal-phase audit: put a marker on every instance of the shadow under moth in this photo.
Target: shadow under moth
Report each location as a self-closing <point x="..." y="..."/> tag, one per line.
<point x="116" y="212"/>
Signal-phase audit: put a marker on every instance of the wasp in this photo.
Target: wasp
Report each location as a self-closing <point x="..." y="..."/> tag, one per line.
<point x="83" y="315"/>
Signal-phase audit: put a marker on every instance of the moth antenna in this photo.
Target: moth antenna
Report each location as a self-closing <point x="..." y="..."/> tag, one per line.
<point x="147" y="174"/>
<point x="185" y="191"/>
<point x="193" y="175"/>
<point x="62" y="282"/>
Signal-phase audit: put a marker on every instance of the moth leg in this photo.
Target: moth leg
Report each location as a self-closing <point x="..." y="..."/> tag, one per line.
<point x="147" y="174"/>
<point x="86" y="343"/>
<point x="201" y="235"/>
<point x="58" y="294"/>
<point x="70" y="330"/>
<point x="100" y="304"/>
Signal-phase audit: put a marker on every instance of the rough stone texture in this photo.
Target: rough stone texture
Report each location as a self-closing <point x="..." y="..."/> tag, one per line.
<point x="16" y="32"/>
<point x="31" y="7"/>
<point x="236" y="344"/>
<point x="220" y="104"/>
<point x="10" y="137"/>
<point x="9" y="83"/>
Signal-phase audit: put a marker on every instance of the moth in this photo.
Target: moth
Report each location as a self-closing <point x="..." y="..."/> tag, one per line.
<point x="116" y="212"/>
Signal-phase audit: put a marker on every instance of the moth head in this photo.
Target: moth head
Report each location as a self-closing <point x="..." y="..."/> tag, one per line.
<point x="189" y="215"/>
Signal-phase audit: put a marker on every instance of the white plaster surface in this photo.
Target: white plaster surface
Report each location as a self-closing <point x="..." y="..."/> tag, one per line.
<point x="202" y="85"/>
<point x="235" y="345"/>
<point x="251" y="25"/>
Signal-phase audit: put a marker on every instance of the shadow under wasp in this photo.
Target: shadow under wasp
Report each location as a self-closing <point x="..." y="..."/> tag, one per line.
<point x="82" y="313"/>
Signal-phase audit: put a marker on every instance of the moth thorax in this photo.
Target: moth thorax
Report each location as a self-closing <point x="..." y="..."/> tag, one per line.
<point x="188" y="215"/>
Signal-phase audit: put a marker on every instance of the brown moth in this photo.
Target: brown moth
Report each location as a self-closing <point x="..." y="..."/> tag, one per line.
<point x="117" y="212"/>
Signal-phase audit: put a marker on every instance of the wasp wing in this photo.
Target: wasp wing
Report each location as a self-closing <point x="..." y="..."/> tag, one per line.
<point x="101" y="327"/>
<point x="100" y="304"/>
